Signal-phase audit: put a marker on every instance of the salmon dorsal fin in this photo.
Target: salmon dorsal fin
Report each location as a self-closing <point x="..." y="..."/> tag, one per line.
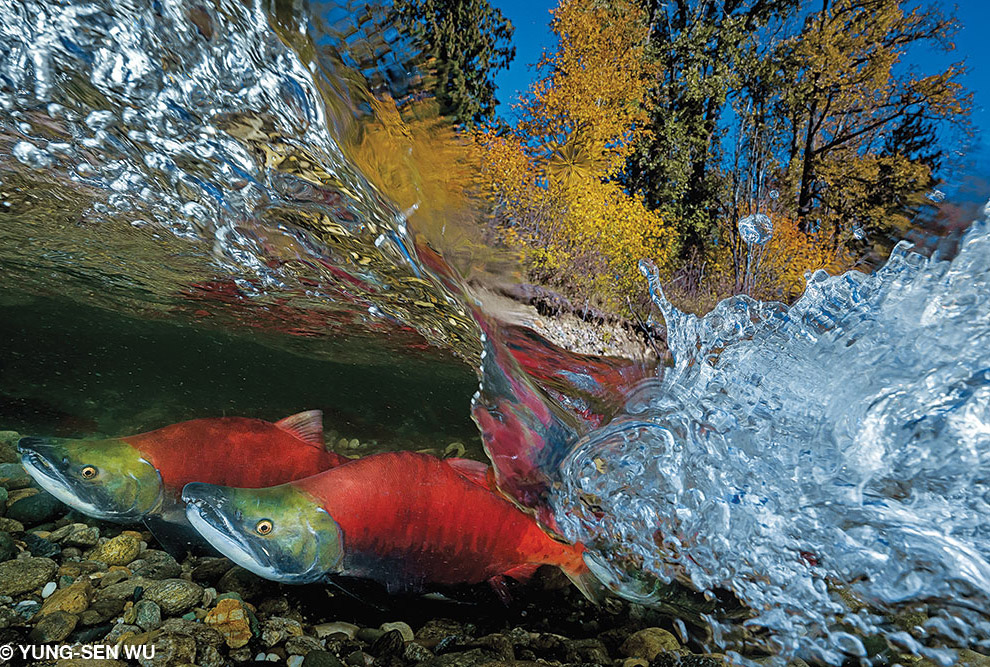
<point x="307" y="426"/>
<point x="476" y="471"/>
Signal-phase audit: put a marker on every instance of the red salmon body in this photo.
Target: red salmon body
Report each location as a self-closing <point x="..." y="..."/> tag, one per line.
<point x="238" y="451"/>
<point x="409" y="519"/>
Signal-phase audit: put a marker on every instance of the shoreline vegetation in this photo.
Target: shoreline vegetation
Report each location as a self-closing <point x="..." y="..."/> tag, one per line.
<point x="652" y="129"/>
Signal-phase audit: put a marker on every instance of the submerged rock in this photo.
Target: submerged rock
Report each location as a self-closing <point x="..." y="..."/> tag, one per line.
<point x="325" y="629"/>
<point x="277" y="629"/>
<point x="249" y="586"/>
<point x="41" y="547"/>
<point x="321" y="659"/>
<point x="53" y="627"/>
<point x="174" y="596"/>
<point x="74" y="599"/>
<point x="35" y="508"/>
<point x="25" y="574"/>
<point x="403" y="628"/>
<point x="147" y="615"/>
<point x="119" y="550"/>
<point x="13" y="476"/>
<point x="231" y="618"/>
<point x="82" y="536"/>
<point x="7" y="547"/>
<point x="648" y="643"/>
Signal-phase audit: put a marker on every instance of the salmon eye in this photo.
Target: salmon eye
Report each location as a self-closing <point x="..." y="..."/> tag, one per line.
<point x="88" y="472"/>
<point x="264" y="527"/>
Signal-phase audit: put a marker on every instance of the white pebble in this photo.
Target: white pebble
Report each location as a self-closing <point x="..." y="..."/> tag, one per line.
<point x="48" y="589"/>
<point x="295" y="661"/>
<point x="272" y="657"/>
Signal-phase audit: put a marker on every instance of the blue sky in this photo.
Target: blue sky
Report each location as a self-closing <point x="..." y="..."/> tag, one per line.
<point x="531" y="19"/>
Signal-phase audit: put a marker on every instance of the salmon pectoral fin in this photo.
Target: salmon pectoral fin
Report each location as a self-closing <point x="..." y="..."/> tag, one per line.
<point x="476" y="471"/>
<point x="176" y="535"/>
<point x="500" y="585"/>
<point x="588" y="584"/>
<point x="522" y="572"/>
<point x="307" y="426"/>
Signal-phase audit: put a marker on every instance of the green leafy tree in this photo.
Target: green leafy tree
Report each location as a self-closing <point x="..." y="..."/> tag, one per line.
<point x="465" y="43"/>
<point x="705" y="50"/>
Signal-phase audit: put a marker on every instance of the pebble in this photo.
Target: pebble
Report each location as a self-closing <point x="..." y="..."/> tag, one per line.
<point x="416" y="653"/>
<point x="25" y="574"/>
<point x="123" y="590"/>
<point x="295" y="661"/>
<point x="48" y="589"/>
<point x="8" y="525"/>
<point x="324" y="629"/>
<point x="8" y="446"/>
<point x="249" y="586"/>
<point x="26" y="609"/>
<point x="359" y="659"/>
<point x="40" y="546"/>
<point x="119" y="630"/>
<point x="13" y="476"/>
<point x="302" y="645"/>
<point x="101" y="611"/>
<point x="7" y="547"/>
<point x="231" y="618"/>
<point x="174" y="596"/>
<point x="210" y="569"/>
<point x="83" y="537"/>
<point x="369" y="635"/>
<point x="147" y="615"/>
<point x="53" y="627"/>
<point x="321" y="659"/>
<point x="403" y="628"/>
<point x="277" y="629"/>
<point x="119" y="550"/>
<point x="648" y="643"/>
<point x="35" y="508"/>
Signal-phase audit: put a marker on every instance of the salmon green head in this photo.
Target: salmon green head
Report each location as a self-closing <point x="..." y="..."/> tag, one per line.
<point x="279" y="533"/>
<point x="105" y="479"/>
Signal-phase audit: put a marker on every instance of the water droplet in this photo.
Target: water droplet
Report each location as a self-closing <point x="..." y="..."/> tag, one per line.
<point x="756" y="229"/>
<point x="30" y="155"/>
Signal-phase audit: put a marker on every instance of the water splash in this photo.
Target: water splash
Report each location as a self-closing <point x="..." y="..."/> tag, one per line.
<point x="827" y="463"/>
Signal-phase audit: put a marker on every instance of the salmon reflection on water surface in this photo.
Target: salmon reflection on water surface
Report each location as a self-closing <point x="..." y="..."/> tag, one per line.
<point x="404" y="519"/>
<point x="139" y="478"/>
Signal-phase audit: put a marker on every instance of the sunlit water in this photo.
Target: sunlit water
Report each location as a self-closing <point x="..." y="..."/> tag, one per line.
<point x="825" y="463"/>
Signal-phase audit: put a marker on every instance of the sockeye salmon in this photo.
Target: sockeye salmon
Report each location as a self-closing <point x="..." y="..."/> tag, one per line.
<point x="140" y="477"/>
<point x="404" y="519"/>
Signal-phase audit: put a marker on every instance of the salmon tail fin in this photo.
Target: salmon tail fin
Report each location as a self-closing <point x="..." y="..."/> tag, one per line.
<point x="587" y="583"/>
<point x="307" y="426"/>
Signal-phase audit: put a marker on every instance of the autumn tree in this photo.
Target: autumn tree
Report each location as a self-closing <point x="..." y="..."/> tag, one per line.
<point x="465" y="42"/>
<point x="551" y="177"/>
<point x="864" y="134"/>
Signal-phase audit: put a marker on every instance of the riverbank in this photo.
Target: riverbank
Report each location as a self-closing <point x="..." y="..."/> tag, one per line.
<point x="580" y="329"/>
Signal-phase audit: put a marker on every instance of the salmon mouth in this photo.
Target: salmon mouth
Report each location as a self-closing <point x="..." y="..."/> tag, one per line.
<point x="54" y="481"/>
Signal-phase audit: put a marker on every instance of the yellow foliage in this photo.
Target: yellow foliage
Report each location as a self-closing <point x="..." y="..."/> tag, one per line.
<point x="791" y="253"/>
<point x="423" y="164"/>
<point x="548" y="179"/>
<point x="776" y="270"/>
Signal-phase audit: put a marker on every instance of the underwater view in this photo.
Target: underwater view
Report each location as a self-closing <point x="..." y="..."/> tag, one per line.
<point x="315" y="352"/>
